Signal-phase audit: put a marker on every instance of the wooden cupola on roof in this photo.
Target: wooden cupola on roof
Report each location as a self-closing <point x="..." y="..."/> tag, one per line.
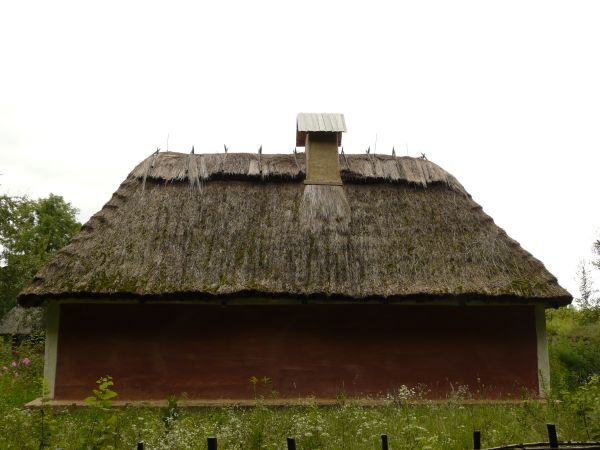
<point x="321" y="135"/>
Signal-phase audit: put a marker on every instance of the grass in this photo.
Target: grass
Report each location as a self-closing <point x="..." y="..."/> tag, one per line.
<point x="347" y="426"/>
<point x="410" y="425"/>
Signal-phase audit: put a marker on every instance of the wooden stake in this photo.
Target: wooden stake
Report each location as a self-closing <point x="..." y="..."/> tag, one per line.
<point x="552" y="437"/>
<point x="477" y="440"/>
<point x="384" y="442"/>
<point x="212" y="443"/>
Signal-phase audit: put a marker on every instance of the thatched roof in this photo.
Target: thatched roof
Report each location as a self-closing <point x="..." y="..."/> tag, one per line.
<point x="20" y="320"/>
<point x="199" y="226"/>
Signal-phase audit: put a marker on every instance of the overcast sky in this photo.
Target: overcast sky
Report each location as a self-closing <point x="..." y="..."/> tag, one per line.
<point x="503" y="95"/>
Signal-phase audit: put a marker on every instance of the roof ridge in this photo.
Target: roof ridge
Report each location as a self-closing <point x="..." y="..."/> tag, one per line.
<point x="355" y="168"/>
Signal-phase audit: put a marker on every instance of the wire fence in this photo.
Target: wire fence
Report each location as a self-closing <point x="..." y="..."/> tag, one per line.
<point x="552" y="443"/>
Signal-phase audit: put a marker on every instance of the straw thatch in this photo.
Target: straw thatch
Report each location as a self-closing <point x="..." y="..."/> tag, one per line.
<point x="245" y="166"/>
<point x="324" y="208"/>
<point x="198" y="226"/>
<point x="21" y="321"/>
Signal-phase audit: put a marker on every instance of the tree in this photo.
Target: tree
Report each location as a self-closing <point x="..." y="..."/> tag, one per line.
<point x="586" y="298"/>
<point x="31" y="232"/>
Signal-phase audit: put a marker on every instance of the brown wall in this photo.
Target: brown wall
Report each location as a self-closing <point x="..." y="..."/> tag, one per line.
<point x="153" y="351"/>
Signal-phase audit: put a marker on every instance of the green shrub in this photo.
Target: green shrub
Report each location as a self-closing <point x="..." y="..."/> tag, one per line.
<point x="574" y="347"/>
<point x="21" y="369"/>
<point x="585" y="402"/>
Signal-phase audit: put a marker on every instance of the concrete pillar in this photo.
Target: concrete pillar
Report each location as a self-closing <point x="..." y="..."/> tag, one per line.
<point x="542" y="350"/>
<point x="51" y="321"/>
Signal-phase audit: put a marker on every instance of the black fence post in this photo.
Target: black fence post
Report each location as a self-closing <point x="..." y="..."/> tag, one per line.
<point x="140" y="446"/>
<point x="212" y="443"/>
<point x="477" y="440"/>
<point x="552" y="437"/>
<point x="291" y="442"/>
<point x="384" y="442"/>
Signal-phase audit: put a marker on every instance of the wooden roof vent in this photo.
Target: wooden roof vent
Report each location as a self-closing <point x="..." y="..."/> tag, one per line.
<point x="321" y="135"/>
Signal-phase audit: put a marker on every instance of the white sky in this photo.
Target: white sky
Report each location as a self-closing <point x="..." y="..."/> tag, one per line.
<point x="504" y="95"/>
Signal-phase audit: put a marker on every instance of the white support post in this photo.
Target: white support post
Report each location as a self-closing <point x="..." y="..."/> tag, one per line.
<point x="542" y="350"/>
<point x="50" y="353"/>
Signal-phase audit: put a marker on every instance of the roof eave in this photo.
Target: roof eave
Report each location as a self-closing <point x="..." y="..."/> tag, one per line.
<point x="29" y="300"/>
